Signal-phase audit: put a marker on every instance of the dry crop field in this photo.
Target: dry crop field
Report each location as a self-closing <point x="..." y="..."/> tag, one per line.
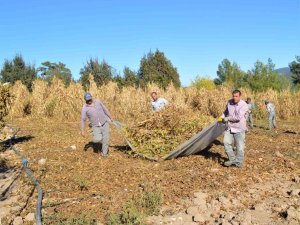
<point x="81" y="188"/>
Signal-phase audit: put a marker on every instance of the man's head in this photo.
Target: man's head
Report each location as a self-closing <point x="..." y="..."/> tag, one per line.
<point x="88" y="98"/>
<point x="248" y="100"/>
<point x="154" y="95"/>
<point x="266" y="102"/>
<point x="236" y="96"/>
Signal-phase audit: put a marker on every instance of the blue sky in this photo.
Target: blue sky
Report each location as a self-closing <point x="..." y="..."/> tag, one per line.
<point x="195" y="35"/>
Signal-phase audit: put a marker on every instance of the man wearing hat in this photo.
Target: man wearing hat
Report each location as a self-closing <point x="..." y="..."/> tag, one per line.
<point x="99" y="116"/>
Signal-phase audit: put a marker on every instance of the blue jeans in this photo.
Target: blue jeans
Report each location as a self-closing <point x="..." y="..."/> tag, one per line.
<point x="272" y="121"/>
<point x="239" y="140"/>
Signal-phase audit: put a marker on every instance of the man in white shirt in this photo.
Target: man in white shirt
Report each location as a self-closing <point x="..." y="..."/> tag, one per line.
<point x="158" y="103"/>
<point x="271" y="110"/>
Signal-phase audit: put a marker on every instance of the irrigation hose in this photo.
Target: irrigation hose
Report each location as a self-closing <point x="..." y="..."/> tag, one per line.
<point x="38" y="211"/>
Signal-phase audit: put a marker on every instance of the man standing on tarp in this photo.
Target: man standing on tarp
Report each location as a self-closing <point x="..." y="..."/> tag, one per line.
<point x="235" y="115"/>
<point x="271" y="110"/>
<point x="99" y="116"/>
<point x="158" y="103"/>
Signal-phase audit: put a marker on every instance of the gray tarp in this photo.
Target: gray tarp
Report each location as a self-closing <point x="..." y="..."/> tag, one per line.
<point x="197" y="143"/>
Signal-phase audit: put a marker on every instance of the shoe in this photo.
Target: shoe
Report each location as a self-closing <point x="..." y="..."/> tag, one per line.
<point x="87" y="146"/>
<point x="104" y="156"/>
<point x="229" y="163"/>
<point x="239" y="165"/>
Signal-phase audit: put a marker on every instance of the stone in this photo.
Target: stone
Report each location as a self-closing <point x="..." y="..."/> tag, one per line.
<point x="246" y="218"/>
<point x="200" y="202"/>
<point x="251" y="191"/>
<point x="193" y="210"/>
<point x="296" y="179"/>
<point x="200" y="195"/>
<point x="42" y="162"/>
<point x="295" y="192"/>
<point x="225" y="201"/>
<point x="278" y="154"/>
<point x="292" y="213"/>
<point x="199" y="218"/>
<point x="73" y="147"/>
<point x="30" y="217"/>
<point x="18" y="220"/>
<point x="229" y="216"/>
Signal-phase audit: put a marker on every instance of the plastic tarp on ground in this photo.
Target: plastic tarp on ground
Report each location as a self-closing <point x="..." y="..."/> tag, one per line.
<point x="197" y="143"/>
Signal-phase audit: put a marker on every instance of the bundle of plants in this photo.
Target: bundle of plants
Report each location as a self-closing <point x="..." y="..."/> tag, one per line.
<point x="162" y="132"/>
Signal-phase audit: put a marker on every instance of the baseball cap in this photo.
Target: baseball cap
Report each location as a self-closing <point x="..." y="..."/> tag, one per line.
<point x="87" y="96"/>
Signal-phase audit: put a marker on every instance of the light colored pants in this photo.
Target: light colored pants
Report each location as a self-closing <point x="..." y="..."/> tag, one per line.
<point x="239" y="140"/>
<point x="101" y="135"/>
<point x="272" y="121"/>
<point x="250" y="119"/>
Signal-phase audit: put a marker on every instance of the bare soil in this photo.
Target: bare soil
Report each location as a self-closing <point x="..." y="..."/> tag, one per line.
<point x="81" y="183"/>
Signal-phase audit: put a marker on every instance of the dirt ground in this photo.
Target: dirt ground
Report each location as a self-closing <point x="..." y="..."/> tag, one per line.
<point x="81" y="183"/>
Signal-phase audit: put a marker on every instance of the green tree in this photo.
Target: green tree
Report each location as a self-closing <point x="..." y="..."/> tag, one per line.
<point x="203" y="83"/>
<point x="155" y="67"/>
<point x="102" y="72"/>
<point x="50" y="70"/>
<point x="295" y="69"/>
<point x="17" y="69"/>
<point x="230" y="73"/>
<point x="130" y="77"/>
<point x="263" y="77"/>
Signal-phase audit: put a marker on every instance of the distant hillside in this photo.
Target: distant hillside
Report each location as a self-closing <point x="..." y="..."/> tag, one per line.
<point x="285" y="71"/>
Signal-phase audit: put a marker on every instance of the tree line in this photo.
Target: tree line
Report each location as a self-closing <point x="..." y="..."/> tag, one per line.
<point x="154" y="67"/>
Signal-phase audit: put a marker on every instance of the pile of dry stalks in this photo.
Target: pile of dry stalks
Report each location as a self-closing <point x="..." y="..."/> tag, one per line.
<point x="165" y="130"/>
<point x="5" y="101"/>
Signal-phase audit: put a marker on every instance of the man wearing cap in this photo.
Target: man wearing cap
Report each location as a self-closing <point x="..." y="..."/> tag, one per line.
<point x="157" y="103"/>
<point x="235" y="115"/>
<point x="271" y="110"/>
<point x="99" y="116"/>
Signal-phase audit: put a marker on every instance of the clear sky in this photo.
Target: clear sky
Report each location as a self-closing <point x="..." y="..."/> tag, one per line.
<point x="195" y="35"/>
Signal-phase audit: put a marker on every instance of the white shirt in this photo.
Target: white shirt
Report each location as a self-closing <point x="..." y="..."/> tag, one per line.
<point x="270" y="108"/>
<point x="159" y="104"/>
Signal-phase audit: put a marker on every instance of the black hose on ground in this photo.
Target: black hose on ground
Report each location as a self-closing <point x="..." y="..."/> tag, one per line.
<point x="38" y="211"/>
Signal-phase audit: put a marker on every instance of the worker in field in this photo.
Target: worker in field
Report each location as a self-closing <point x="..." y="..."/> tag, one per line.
<point x="99" y="116"/>
<point x="250" y="110"/>
<point x="235" y="115"/>
<point x="271" y="110"/>
<point x="157" y="103"/>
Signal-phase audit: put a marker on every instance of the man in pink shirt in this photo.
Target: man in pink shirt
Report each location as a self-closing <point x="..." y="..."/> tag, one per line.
<point x="235" y="115"/>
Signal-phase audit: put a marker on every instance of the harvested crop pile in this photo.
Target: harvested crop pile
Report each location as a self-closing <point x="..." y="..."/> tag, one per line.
<point x="5" y="101"/>
<point x="165" y="130"/>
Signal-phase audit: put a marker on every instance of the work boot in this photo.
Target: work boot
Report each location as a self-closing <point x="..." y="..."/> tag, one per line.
<point x="229" y="163"/>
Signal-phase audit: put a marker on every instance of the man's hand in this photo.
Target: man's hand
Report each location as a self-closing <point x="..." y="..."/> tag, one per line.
<point x="83" y="134"/>
<point x="220" y="119"/>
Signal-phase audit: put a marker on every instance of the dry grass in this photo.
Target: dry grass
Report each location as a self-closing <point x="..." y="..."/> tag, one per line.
<point x="131" y="104"/>
<point x="5" y="102"/>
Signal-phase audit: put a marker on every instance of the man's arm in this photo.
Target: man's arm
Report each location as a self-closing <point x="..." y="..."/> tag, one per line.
<point x="83" y="119"/>
<point x="226" y="112"/>
<point x="166" y="102"/>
